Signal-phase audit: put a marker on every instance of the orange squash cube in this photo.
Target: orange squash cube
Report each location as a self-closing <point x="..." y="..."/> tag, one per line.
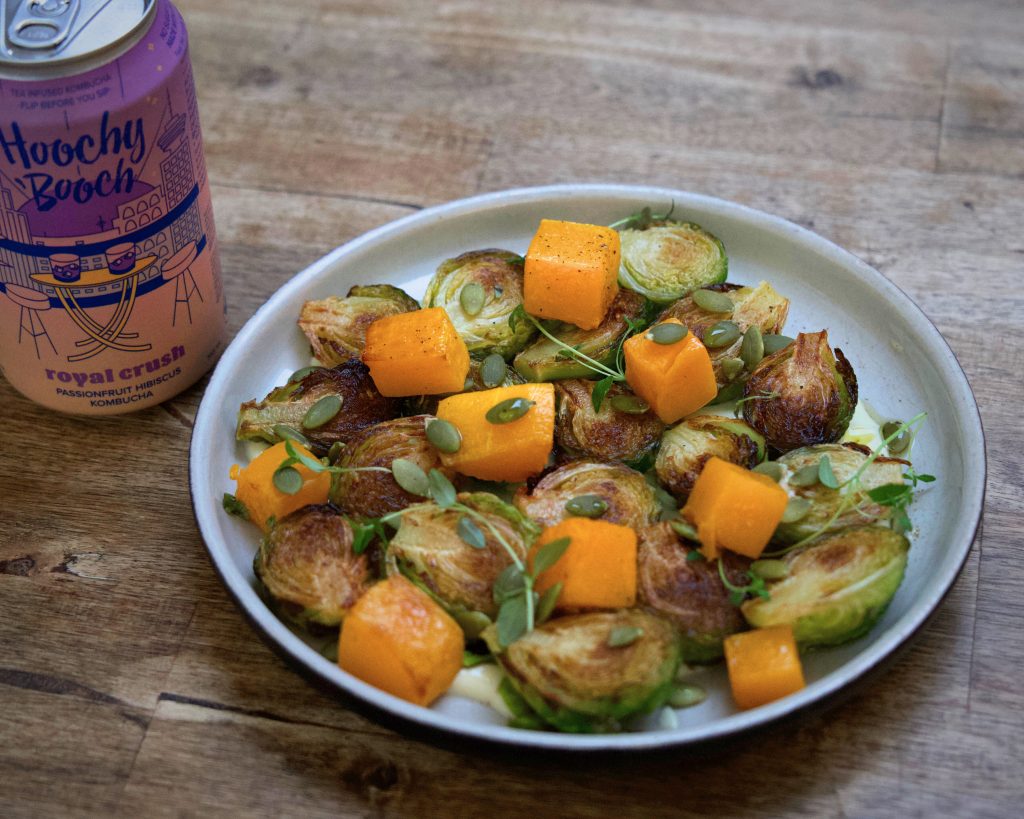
<point x="763" y="665"/>
<point x="399" y="640"/>
<point x="675" y="379"/>
<point x="598" y="569"/>
<point x="734" y="508"/>
<point x="416" y="353"/>
<point x="263" y="500"/>
<point x="571" y="272"/>
<point x="512" y="451"/>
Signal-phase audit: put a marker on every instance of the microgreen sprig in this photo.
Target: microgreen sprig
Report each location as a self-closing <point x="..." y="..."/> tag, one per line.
<point x="642" y="219"/>
<point x="737" y="594"/>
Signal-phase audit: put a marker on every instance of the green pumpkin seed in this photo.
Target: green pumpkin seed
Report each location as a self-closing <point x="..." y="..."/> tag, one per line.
<point x="773" y="469"/>
<point x="622" y="636"/>
<point x="509" y="410"/>
<point x="471" y="623"/>
<point x="586" y="506"/>
<point x="721" y="334"/>
<point x="667" y="333"/>
<point x="731" y="367"/>
<point x="730" y="392"/>
<point x="287" y="433"/>
<point x="901" y="441"/>
<point x="444" y="435"/>
<point x="808" y="476"/>
<point x="687" y="695"/>
<point x="410" y="477"/>
<point x="629" y="404"/>
<point x="684" y="528"/>
<point x="752" y="348"/>
<point x="299" y="374"/>
<point x="288" y="480"/>
<point x="492" y="371"/>
<point x="770" y="569"/>
<point x="796" y="509"/>
<point x="712" y="301"/>
<point x="472" y="298"/>
<point x="322" y="411"/>
<point x="471" y="533"/>
<point x="773" y="342"/>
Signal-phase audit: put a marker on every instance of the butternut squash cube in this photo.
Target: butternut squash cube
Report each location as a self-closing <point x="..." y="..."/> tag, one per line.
<point x="675" y="379"/>
<point x="734" y="508"/>
<point x="763" y="665"/>
<point x="399" y="640"/>
<point x="597" y="571"/>
<point x="416" y="353"/>
<point x="511" y="451"/>
<point x="263" y="500"/>
<point x="571" y="272"/>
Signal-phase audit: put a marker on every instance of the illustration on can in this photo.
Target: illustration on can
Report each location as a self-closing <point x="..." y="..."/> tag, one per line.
<point x="110" y="289"/>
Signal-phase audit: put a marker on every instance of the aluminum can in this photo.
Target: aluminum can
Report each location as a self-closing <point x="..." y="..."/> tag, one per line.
<point x="110" y="289"/>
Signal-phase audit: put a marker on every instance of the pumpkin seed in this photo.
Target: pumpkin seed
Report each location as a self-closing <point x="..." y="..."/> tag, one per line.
<point x="299" y="374"/>
<point x="684" y="528"/>
<point x="901" y="441"/>
<point x="444" y="435"/>
<point x="492" y="371"/>
<point x="808" y="476"/>
<point x="774" y="342"/>
<point x="731" y="367"/>
<point x="712" y="301"/>
<point x="796" y="509"/>
<point x="322" y="411"/>
<point x="622" y="636"/>
<point x="730" y="392"/>
<point x="586" y="506"/>
<point x="472" y="298"/>
<point x="687" y="695"/>
<point x="629" y="404"/>
<point x="511" y="409"/>
<point x="287" y="433"/>
<point x="773" y="469"/>
<point x="752" y="348"/>
<point x="471" y="623"/>
<point x="288" y="480"/>
<point x="770" y="569"/>
<point x="410" y="477"/>
<point x="721" y="334"/>
<point x="667" y="333"/>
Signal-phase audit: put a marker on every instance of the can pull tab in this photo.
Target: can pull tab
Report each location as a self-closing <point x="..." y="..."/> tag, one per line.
<point x="42" y="24"/>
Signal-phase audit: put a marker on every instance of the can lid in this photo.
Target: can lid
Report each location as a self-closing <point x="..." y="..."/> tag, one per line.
<point x="47" y="32"/>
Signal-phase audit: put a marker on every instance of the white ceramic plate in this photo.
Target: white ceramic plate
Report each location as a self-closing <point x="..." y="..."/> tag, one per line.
<point x="902" y="363"/>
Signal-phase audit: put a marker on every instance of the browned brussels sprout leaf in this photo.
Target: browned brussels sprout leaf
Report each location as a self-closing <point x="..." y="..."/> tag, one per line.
<point x="665" y="259"/>
<point x="801" y="395"/>
<point x="686" y="447"/>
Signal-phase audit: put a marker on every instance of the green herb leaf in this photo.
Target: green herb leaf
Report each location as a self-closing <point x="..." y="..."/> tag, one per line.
<point x="600" y="391"/>
<point x="441" y="489"/>
<point x="233" y="506"/>
<point x="516" y="316"/>
<point x="471" y="660"/>
<point x="547" y="602"/>
<point x="471" y="533"/>
<point x="695" y="556"/>
<point x="511" y="623"/>
<point x="364" y="532"/>
<point x="508" y="584"/>
<point x="549" y="554"/>
<point x="825" y="473"/>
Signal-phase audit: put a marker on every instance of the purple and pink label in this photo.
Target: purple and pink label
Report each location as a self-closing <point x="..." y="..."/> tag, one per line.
<point x="110" y="289"/>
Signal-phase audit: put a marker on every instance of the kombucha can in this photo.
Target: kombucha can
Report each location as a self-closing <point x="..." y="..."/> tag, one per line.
<point x="110" y="290"/>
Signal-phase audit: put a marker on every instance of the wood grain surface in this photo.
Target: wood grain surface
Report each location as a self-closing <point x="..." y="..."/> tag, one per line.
<point x="129" y="682"/>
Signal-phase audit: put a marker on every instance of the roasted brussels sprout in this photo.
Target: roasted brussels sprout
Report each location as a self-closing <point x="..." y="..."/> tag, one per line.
<point x="836" y="588"/>
<point x="761" y="306"/>
<point x="692" y="442"/>
<point x="801" y="395"/>
<point x="544" y="360"/>
<point x="823" y="502"/>
<point x="336" y="327"/>
<point x="586" y="673"/>
<point x="688" y="593"/>
<point x="307" y="566"/>
<point x="668" y="259"/>
<point x="360" y="406"/>
<point x="630" y="499"/>
<point x="624" y="429"/>
<point x="479" y="290"/>
<point x="427" y="404"/>
<point x="429" y="549"/>
<point x="372" y="494"/>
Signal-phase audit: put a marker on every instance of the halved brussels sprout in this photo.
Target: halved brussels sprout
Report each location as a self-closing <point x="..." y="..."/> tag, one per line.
<point x="845" y="460"/>
<point x="690" y="444"/>
<point x="688" y="593"/>
<point x="761" y="306"/>
<point x="669" y="259"/>
<point x="308" y="568"/>
<point x="630" y="500"/>
<point x="430" y="550"/>
<point x="372" y="494"/>
<point x="544" y="360"/>
<point x="837" y="587"/>
<point x="579" y="678"/>
<point x="801" y="395"/>
<point x="336" y="327"/>
<point x="479" y="290"/>
<point x="361" y="406"/>
<point x="427" y="404"/>
<point x="624" y="430"/>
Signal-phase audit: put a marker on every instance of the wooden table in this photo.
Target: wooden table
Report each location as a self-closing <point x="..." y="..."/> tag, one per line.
<point x="130" y="683"/>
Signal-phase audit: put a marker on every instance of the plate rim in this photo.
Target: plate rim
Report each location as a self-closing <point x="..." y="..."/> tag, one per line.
<point x="304" y="658"/>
